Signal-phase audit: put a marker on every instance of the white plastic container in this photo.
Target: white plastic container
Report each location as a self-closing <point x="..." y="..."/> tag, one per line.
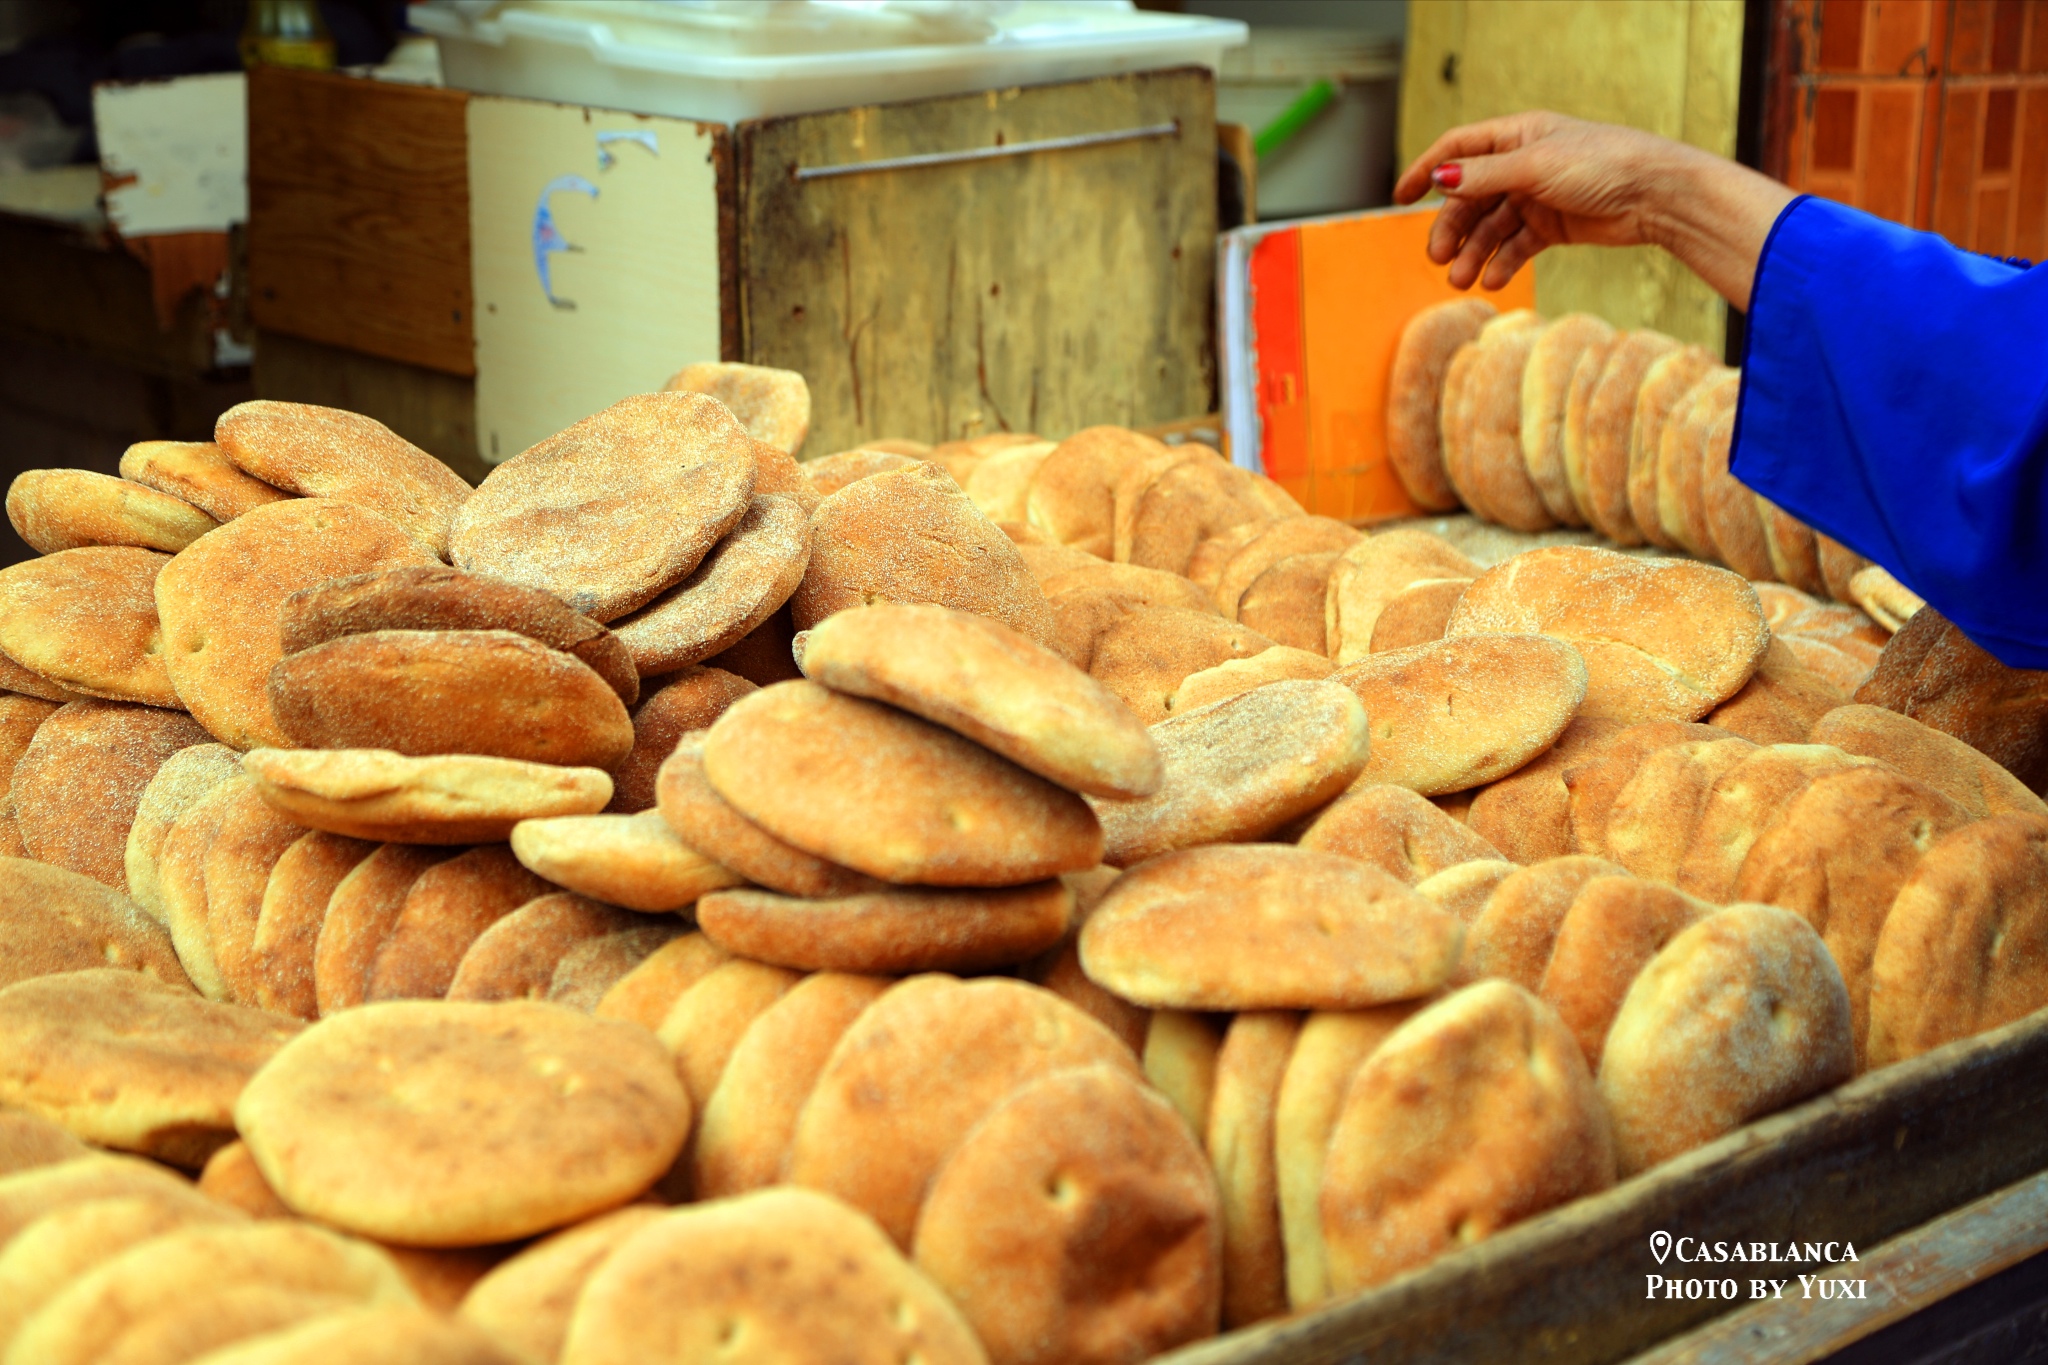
<point x="724" y="61"/>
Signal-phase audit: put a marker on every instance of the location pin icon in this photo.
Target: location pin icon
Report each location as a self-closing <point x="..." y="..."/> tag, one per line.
<point x="1660" y="1245"/>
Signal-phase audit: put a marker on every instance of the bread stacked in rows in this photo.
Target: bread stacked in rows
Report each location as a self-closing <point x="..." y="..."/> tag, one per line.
<point x="1534" y="424"/>
<point x="817" y="925"/>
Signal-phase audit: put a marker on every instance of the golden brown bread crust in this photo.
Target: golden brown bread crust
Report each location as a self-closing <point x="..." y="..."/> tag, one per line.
<point x="891" y="930"/>
<point x="76" y="786"/>
<point x="1734" y="522"/>
<point x="1011" y="1228"/>
<point x="1795" y="554"/>
<point x="1740" y="1015"/>
<point x="913" y="536"/>
<point x="709" y="823"/>
<point x="1738" y="807"/>
<point x="198" y="473"/>
<point x="1939" y="759"/>
<point x="1478" y="1112"/>
<point x="436" y="597"/>
<point x="1669" y="379"/>
<point x="1608" y="429"/>
<point x="1205" y="567"/>
<point x="890" y="795"/>
<point x="236" y="870"/>
<point x="1370" y="575"/>
<point x="1938" y="676"/>
<point x="743" y="581"/>
<point x="426" y="692"/>
<point x="1492" y="476"/>
<point x="1287" y="603"/>
<point x="617" y="508"/>
<point x="16" y="679"/>
<point x="1838" y="564"/>
<point x="1227" y="780"/>
<point x="1274" y="542"/>
<point x="1593" y="784"/>
<point x="1153" y="587"/>
<point x="1071" y="497"/>
<point x="1578" y="405"/>
<point x="525" y="1300"/>
<point x="1662" y="639"/>
<point x="646" y="994"/>
<point x="1614" y="927"/>
<point x="1455" y="713"/>
<point x="1781" y="702"/>
<point x="1266" y="926"/>
<point x="706" y="1023"/>
<point x="1415" y="392"/>
<point x="682" y="702"/>
<point x="1681" y="446"/>
<point x="86" y="620"/>
<point x="917" y="1071"/>
<point x="829" y="473"/>
<point x="442" y="799"/>
<point x="773" y="405"/>
<point x="328" y="453"/>
<point x="1650" y="827"/>
<point x="1393" y="829"/>
<point x="1515" y="933"/>
<point x="1547" y="381"/>
<point x="1233" y="677"/>
<point x="1195" y="500"/>
<point x="588" y="971"/>
<point x="288" y="927"/>
<point x="766" y="656"/>
<point x="516" y="957"/>
<point x="1000" y="485"/>
<point x="1129" y="490"/>
<point x="1962" y="948"/>
<point x="53" y="920"/>
<point x="1239" y="1139"/>
<point x="446" y="909"/>
<point x="361" y="909"/>
<point x="63" y="509"/>
<point x="1417" y="615"/>
<point x="1527" y="815"/>
<point x="1144" y="656"/>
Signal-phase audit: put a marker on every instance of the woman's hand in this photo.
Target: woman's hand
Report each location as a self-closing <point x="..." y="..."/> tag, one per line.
<point x="1518" y="184"/>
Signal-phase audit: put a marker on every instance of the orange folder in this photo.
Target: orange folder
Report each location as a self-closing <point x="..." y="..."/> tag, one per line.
<point x="1311" y="312"/>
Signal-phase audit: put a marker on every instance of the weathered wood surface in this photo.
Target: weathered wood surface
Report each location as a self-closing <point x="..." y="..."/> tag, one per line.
<point x="1040" y="292"/>
<point x="1887" y="1152"/>
<point x="359" y="216"/>
<point x="435" y="411"/>
<point x="1901" y="1277"/>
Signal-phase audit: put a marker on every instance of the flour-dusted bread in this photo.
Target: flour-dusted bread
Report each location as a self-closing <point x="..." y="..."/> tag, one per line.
<point x="1527" y="815"/>
<point x="1612" y="929"/>
<point x="196" y="472"/>
<point x="1937" y="675"/>
<point x="743" y="581"/>
<point x="1669" y="379"/>
<point x="1493" y="477"/>
<point x="1661" y="639"/>
<point x="1372" y="574"/>
<point x="1393" y="829"/>
<point x="1919" y="750"/>
<point x="773" y="405"/>
<point x="1415" y="395"/>
<point x="1249" y="1070"/>
<point x="1681" y="449"/>
<point x="86" y="621"/>
<point x="1598" y="434"/>
<point x="1546" y="393"/>
<point x="444" y="799"/>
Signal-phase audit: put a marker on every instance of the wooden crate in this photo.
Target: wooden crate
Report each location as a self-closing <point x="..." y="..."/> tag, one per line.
<point x="1018" y="286"/>
<point x="1885" y="1153"/>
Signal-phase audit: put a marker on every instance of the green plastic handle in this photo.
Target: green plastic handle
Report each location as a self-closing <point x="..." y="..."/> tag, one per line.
<point x="1294" y="118"/>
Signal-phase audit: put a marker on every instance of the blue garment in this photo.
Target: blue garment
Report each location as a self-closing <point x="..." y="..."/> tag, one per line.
<point x="1895" y="396"/>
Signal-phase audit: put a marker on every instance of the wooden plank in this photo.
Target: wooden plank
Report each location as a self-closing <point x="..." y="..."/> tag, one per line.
<point x="1043" y="291"/>
<point x="1901" y="1277"/>
<point x="359" y="216"/>
<point x="1886" y="1152"/>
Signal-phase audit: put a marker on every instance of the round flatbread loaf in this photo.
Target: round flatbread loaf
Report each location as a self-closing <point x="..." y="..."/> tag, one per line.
<point x="1372" y="574"/>
<point x="773" y="405"/>
<point x="29" y="1141"/>
<point x="1739" y="807"/>
<point x="1240" y="769"/>
<point x="1205" y="567"/>
<point x="616" y="509"/>
<point x="446" y="909"/>
<point x="76" y="787"/>
<point x="1733" y="522"/>
<point x="52" y="920"/>
<point x="1289" y="602"/>
<point x="1475" y="1114"/>
<point x="1918" y="750"/>
<point x="441" y="1124"/>
<point x="1393" y="829"/>
<point x="182" y="882"/>
<point x="1962" y="947"/>
<point x="1265" y="926"/>
<point x="645" y="995"/>
<point x="329" y="453"/>
<point x="1492" y="477"/>
<point x="707" y="1022"/>
<point x="1415" y="394"/>
<point x="448" y="799"/>
<point x="125" y="1061"/>
<point x="893" y="929"/>
<point x="1000" y="485"/>
<point x="1614" y="927"/>
<point x="792" y="1274"/>
<point x="684" y="701"/>
<point x="1795" y="554"/>
<point x="1459" y="712"/>
<point x="424" y="692"/>
<point x="294" y="911"/>
<point x="1663" y="639"/>
<point x="1179" y="1058"/>
<point x="360" y="911"/>
<point x="219" y="603"/>
<point x="179" y="782"/>
<point x="1655" y="816"/>
<point x="1463" y="891"/>
<point x="710" y="824"/>
<point x="1145" y="655"/>
<point x="1669" y="380"/>
<point x="913" y="536"/>
<point x="743" y="581"/>
<point x="983" y="680"/>
<point x="1327" y="1053"/>
<point x="196" y="472"/>
<point x="525" y="1301"/>
<point x="1417" y="614"/>
<point x="890" y="795"/>
<point x="1275" y="541"/>
<point x="62" y="509"/>
<point x="236" y="871"/>
<point x="518" y="956"/>
<point x="86" y="620"/>
<point x="1739" y="1016"/>
<point x="1546" y="395"/>
<point x="588" y="971"/>
<point x="1012" y="1228"/>
<point x="1071" y="496"/>
<point x="829" y="473"/>
<point x="635" y="861"/>
<point x="20" y="717"/>
<point x="916" y="1072"/>
<point x="16" y="679"/>
<point x="1239" y="1140"/>
<point x="1597" y="463"/>
<point x="1594" y="778"/>
<point x="1195" y="500"/>
<point x="436" y="597"/>
<point x="1153" y="587"/>
<point x="1681" y="491"/>
<point x="1233" y="677"/>
<point x="744" y="1131"/>
<point x="1781" y="702"/>
<point x="1515" y="932"/>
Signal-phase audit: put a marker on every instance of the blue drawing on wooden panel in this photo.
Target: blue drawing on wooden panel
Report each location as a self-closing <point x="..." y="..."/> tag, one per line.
<point x="548" y="239"/>
<point x="644" y="136"/>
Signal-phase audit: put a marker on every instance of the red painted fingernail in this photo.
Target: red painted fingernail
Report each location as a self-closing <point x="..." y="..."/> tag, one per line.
<point x="1447" y="175"/>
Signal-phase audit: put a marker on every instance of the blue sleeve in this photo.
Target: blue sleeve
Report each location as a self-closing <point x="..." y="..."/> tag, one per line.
<point x="1895" y="396"/>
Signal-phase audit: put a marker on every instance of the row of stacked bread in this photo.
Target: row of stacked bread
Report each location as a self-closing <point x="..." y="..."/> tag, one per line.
<point x="1231" y="752"/>
<point x="1532" y="423"/>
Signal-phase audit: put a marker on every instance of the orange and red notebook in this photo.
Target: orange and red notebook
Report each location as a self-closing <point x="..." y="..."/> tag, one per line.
<point x="1309" y="315"/>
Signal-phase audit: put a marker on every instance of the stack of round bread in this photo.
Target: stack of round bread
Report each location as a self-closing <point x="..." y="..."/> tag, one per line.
<point x="1535" y="424"/>
<point x="817" y="902"/>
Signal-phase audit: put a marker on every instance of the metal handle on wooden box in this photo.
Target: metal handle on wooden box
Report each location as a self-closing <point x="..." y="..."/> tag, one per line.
<point x="1050" y="144"/>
